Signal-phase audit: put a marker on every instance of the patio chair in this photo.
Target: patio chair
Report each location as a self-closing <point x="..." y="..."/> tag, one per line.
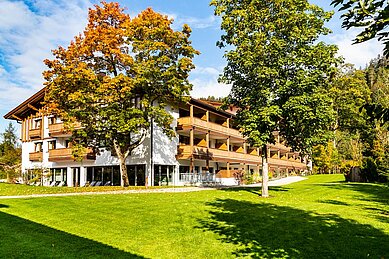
<point x="99" y="183"/>
<point x="107" y="183"/>
<point x="92" y="183"/>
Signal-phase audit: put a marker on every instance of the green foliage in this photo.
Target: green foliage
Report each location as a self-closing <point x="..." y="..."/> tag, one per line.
<point x="372" y="15"/>
<point x="117" y="77"/>
<point x="10" y="155"/>
<point x="278" y="81"/>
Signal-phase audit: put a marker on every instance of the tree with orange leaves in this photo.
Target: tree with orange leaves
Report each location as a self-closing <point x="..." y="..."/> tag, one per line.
<point x="117" y="77"/>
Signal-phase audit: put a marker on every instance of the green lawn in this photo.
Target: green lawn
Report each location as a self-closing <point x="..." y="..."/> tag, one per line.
<point x="22" y="189"/>
<point x="321" y="217"/>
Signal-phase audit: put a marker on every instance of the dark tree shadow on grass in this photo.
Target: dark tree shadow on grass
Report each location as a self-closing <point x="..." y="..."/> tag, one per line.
<point x="255" y="190"/>
<point x="21" y="238"/>
<point x="270" y="231"/>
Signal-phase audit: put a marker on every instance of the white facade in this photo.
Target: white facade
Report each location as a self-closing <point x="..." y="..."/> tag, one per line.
<point x="164" y="152"/>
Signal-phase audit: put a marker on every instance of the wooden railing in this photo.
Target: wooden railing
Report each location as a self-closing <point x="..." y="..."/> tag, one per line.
<point x="59" y="129"/>
<point x="211" y="126"/>
<point x="287" y="163"/>
<point x="35" y="133"/>
<point x="36" y="156"/>
<point x="184" y="152"/>
<point x="65" y="154"/>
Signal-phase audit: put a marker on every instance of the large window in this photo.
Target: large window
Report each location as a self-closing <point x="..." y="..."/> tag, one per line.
<point x="163" y="175"/>
<point x="110" y="175"/>
<point x="136" y="175"/>
<point x="58" y="175"/>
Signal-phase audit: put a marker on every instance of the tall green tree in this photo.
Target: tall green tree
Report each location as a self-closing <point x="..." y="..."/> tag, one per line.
<point x="279" y="71"/>
<point x="117" y="77"/>
<point x="371" y="15"/>
<point x="377" y="138"/>
<point x="10" y="154"/>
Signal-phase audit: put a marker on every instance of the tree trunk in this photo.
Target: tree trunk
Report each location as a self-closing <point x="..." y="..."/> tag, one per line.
<point x="265" y="172"/>
<point x="122" y="156"/>
<point x="123" y="172"/>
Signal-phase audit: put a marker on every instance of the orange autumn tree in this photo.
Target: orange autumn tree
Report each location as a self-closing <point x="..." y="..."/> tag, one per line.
<point x="117" y="77"/>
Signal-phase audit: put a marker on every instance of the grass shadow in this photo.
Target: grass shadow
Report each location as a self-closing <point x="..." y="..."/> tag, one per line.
<point x="255" y="189"/>
<point x="21" y="238"/>
<point x="270" y="231"/>
<point x="334" y="202"/>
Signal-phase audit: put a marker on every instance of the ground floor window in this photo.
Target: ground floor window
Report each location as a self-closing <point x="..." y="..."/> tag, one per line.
<point x="136" y="175"/>
<point x="58" y="176"/>
<point x="103" y="175"/>
<point x="110" y="175"/>
<point x="163" y="175"/>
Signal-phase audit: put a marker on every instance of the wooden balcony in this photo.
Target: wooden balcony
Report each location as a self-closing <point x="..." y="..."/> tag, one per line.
<point x="287" y="163"/>
<point x="36" y="156"/>
<point x="187" y="122"/>
<point x="35" y="133"/>
<point x="65" y="154"/>
<point x="58" y="129"/>
<point x="184" y="152"/>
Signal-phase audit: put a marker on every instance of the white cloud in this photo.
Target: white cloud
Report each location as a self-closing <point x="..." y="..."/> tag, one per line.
<point x="28" y="33"/>
<point x="205" y="83"/>
<point x="357" y="54"/>
<point x="194" y="22"/>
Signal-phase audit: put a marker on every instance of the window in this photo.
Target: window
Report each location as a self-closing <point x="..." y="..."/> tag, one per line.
<point x="54" y="120"/>
<point x="37" y="124"/>
<point x="38" y="147"/>
<point x="51" y="144"/>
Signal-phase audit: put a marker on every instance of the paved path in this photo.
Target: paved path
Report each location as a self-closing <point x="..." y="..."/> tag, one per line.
<point x="279" y="182"/>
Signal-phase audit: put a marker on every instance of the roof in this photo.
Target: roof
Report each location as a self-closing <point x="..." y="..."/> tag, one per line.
<point x="212" y="106"/>
<point x="24" y="109"/>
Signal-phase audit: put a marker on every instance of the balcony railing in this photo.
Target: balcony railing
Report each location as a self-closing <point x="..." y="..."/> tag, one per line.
<point x="58" y="129"/>
<point x="35" y="133"/>
<point x="287" y="163"/>
<point x="65" y="154"/>
<point x="36" y="156"/>
<point x="211" y="126"/>
<point x="184" y="152"/>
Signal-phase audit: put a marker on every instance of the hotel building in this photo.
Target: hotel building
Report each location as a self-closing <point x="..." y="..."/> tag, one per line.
<point x="208" y="149"/>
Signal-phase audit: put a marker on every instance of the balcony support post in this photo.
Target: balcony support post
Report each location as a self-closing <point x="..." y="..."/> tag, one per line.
<point x="191" y="113"/>
<point x="228" y="168"/>
<point x="207" y="140"/>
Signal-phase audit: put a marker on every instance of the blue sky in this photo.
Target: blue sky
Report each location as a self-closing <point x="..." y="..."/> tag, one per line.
<point x="30" y="29"/>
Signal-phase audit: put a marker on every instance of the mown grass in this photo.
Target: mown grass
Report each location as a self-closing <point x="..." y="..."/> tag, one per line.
<point x="22" y="189"/>
<point x="321" y="217"/>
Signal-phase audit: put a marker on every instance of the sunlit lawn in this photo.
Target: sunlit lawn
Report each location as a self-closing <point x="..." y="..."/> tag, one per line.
<point x="22" y="189"/>
<point x="321" y="217"/>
